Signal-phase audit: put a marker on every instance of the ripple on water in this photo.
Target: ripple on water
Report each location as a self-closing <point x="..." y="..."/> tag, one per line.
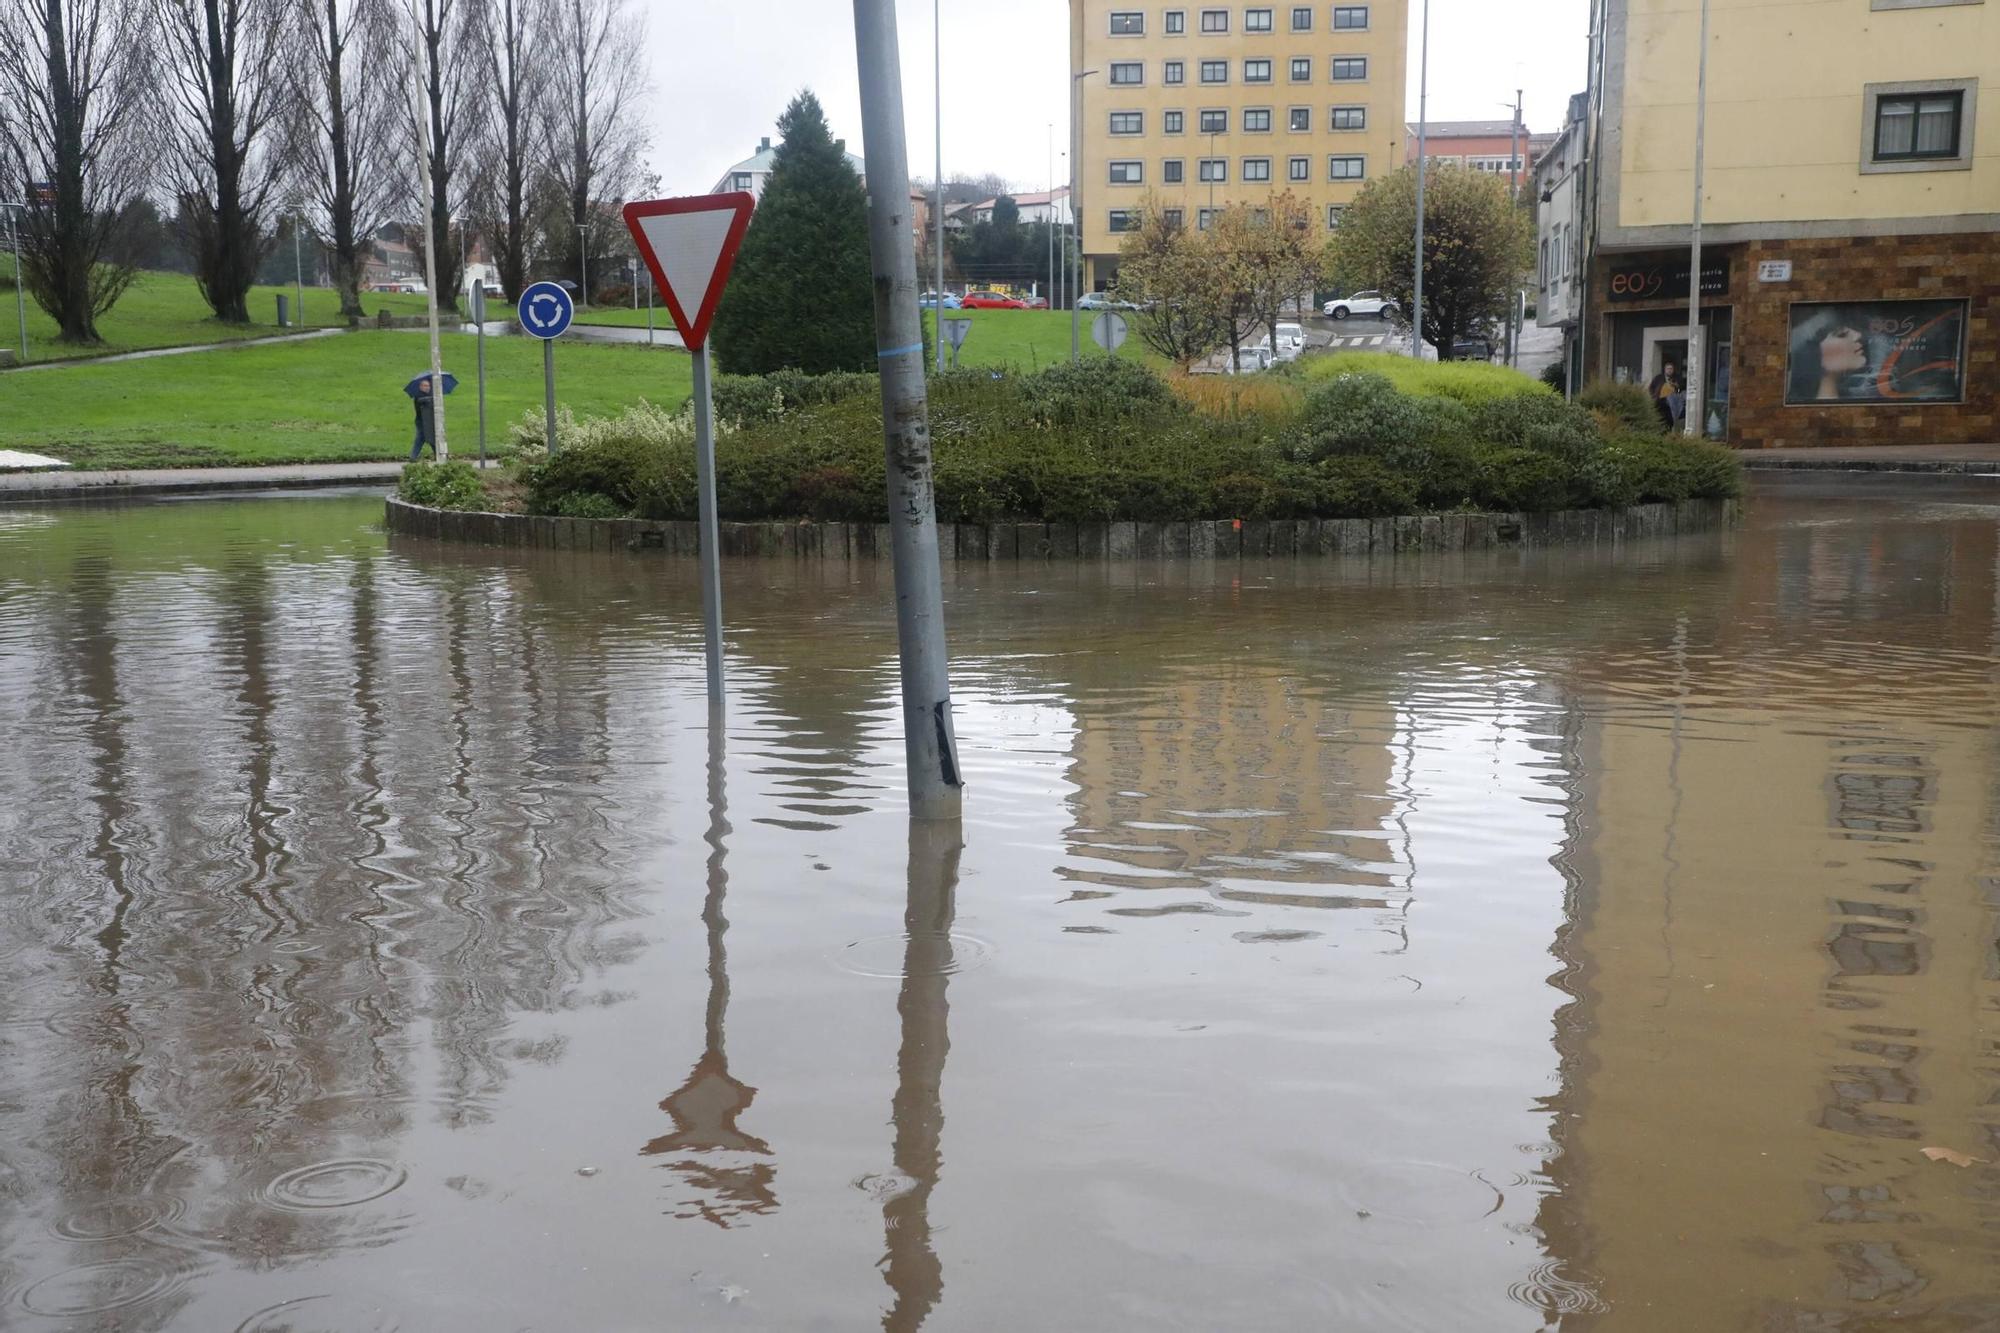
<point x="1420" y="1194"/>
<point x="341" y="1184"/>
<point x="1551" y="1291"/>
<point x="100" y="1287"/>
<point x="924" y="954"/>
<point x="326" y="1313"/>
<point x="108" y="1219"/>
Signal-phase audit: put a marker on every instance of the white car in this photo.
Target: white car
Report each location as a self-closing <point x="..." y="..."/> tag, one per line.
<point x="1249" y="360"/>
<point x="1291" y="342"/>
<point x="1363" y="303"/>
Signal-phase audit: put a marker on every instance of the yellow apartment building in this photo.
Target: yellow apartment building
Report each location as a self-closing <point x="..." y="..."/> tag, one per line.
<point x="1851" y="214"/>
<point x="1203" y="106"/>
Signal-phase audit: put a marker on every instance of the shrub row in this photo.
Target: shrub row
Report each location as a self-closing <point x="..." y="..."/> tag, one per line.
<point x="1106" y="439"/>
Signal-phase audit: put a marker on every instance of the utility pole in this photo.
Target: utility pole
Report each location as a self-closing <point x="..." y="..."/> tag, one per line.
<point x="1514" y="170"/>
<point x="20" y="277"/>
<point x="430" y="247"/>
<point x="1423" y="168"/>
<point x="1053" y="295"/>
<point x="298" y="266"/>
<point x="930" y="749"/>
<point x="1696" y="354"/>
<point x="937" y="74"/>
<point x="1076" y="217"/>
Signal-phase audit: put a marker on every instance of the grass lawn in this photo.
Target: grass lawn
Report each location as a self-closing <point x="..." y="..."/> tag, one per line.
<point x="1026" y="339"/>
<point x="329" y="400"/>
<point x="624" y="317"/>
<point x="166" y="310"/>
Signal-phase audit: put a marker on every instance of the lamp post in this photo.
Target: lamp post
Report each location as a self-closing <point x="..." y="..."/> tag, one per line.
<point x="298" y="266"/>
<point x="1697" y="356"/>
<point x="937" y="221"/>
<point x="20" y="279"/>
<point x="1076" y="216"/>
<point x="1423" y="168"/>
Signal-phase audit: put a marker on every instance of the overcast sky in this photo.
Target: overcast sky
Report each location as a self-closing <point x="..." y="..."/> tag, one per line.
<point x="722" y="72"/>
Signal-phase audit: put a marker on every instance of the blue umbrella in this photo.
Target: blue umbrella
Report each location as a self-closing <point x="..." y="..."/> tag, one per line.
<point x="450" y="383"/>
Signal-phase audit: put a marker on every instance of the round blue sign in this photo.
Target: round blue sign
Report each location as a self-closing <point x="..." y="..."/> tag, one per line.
<point x="546" y="310"/>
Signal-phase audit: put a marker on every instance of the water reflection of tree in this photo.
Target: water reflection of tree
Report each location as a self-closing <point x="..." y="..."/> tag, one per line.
<point x="718" y="1160"/>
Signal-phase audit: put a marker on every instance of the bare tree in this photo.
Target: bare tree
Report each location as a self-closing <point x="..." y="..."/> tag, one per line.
<point x="444" y="32"/>
<point x="225" y="83"/>
<point x="507" y="36"/>
<point x="73" y="77"/>
<point x="343" y="127"/>
<point x="594" y="136"/>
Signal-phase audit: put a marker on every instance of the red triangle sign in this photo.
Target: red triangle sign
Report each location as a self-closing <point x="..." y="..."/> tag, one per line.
<point x="690" y="245"/>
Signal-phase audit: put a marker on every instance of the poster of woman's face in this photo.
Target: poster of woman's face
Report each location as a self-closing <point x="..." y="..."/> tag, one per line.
<point x="1878" y="352"/>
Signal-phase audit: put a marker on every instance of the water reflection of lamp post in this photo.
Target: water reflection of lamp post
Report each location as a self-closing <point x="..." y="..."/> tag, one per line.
<point x="912" y="1270"/>
<point x="705" y="1107"/>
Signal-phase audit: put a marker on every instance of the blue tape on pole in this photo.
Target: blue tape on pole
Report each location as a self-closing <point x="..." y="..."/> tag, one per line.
<point x="899" y="351"/>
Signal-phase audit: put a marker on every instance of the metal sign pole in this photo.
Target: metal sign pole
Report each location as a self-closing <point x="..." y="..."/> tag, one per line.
<point x="549" y="387"/>
<point x="711" y="526"/>
<point x="1692" y="416"/>
<point x="20" y="278"/>
<point x="479" y="340"/>
<point x="649" y="307"/>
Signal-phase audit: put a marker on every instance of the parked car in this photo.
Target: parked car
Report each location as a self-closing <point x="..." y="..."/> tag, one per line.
<point x="1362" y="303"/>
<point x="1250" y="360"/>
<point x="1291" y="342"/>
<point x="992" y="301"/>
<point x="1472" y="349"/>
<point x="1102" y="301"/>
<point x="929" y="301"/>
<point x="1035" y="302"/>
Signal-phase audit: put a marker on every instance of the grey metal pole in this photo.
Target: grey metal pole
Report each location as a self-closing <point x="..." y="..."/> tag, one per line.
<point x="479" y="341"/>
<point x="20" y="284"/>
<point x="1423" y="169"/>
<point x="711" y="524"/>
<point x="1696" y="353"/>
<point x="1514" y="189"/>
<point x="649" y="307"/>
<point x="937" y="55"/>
<point x="1075" y="217"/>
<point x="430" y="253"/>
<point x="298" y="266"/>
<point x="1052" y="217"/>
<point x="930" y="750"/>
<point x="549" y="388"/>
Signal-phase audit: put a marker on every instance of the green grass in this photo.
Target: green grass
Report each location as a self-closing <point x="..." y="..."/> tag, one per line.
<point x="1026" y="339"/>
<point x="1467" y="381"/>
<point x="329" y="400"/>
<point x="624" y="317"/>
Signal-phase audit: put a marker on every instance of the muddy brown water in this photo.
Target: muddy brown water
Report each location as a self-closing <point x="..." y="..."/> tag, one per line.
<point x="1544" y="940"/>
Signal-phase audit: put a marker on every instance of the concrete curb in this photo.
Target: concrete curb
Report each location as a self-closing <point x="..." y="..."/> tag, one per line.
<point x="88" y="487"/>
<point x="1226" y="539"/>
<point x="1935" y="467"/>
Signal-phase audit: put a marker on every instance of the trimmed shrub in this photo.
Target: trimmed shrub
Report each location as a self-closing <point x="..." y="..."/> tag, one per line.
<point x="751" y="398"/>
<point x="1095" y="389"/>
<point x="1356" y="414"/>
<point x="1625" y="404"/>
<point x="451" y="485"/>
<point x="1556" y="376"/>
<point x="587" y="504"/>
<point x="633" y="475"/>
<point x="1666" y="469"/>
<point x="1470" y="382"/>
<point x="1524" y="481"/>
<point x="1362" y="488"/>
<point x="1543" y="423"/>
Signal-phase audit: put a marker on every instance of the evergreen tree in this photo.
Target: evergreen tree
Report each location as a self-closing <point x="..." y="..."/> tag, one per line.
<point x="802" y="294"/>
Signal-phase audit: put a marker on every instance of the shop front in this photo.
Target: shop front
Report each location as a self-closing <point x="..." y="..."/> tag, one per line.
<point x="1645" y="326"/>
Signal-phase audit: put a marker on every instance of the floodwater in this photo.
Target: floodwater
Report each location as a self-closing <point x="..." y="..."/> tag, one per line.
<point x="1542" y="941"/>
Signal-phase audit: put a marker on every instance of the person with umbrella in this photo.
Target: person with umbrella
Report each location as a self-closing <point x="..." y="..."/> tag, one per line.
<point x="420" y="391"/>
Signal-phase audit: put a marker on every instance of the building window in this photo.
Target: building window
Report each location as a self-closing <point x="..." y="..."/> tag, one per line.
<point x="1214" y="122"/>
<point x="1257" y="120"/>
<point x="1176" y="72"/>
<point x="1128" y="173"/>
<point x="1215" y="20"/>
<point x="1173" y="219"/>
<point x="1256" y="20"/>
<point x="1176" y="22"/>
<point x="1302" y="18"/>
<point x="1300" y="120"/>
<point x="1256" y="168"/>
<point x="1349" y="118"/>
<point x="1214" y="170"/>
<point x="1215" y="71"/>
<point x="1302" y="69"/>
<point x="1918" y="126"/>
<point x="1256" y="71"/>
<point x="1128" y="122"/>
<point x="1203" y="217"/>
<point x="1173" y="122"/>
<point x="1128" y="23"/>
<point x="1124" y="219"/>
<point x="1173" y="171"/>
<point x="1333" y="212"/>
<point x="1350" y="69"/>
<point x="1346" y="168"/>
<point x="1494" y="166"/>
<point x="1127" y="73"/>
<point x="742" y="180"/>
<point x="1350" y="18"/>
<point x="1299" y="169"/>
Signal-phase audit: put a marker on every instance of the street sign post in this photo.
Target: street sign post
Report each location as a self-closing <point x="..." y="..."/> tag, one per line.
<point x="546" y="311"/>
<point x="479" y="337"/>
<point x="1108" y="331"/>
<point x="955" y="333"/>
<point x="689" y="246"/>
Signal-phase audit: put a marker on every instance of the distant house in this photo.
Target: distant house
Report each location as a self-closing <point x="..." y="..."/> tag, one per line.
<point x="1483" y="145"/>
<point x="752" y="172"/>
<point x="1035" y="208"/>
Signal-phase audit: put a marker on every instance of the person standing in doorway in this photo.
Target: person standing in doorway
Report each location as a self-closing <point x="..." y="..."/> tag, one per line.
<point x="1665" y="391"/>
<point x="426" y="421"/>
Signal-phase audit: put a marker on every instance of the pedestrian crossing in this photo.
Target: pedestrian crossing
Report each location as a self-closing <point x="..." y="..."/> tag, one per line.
<point x="1358" y="342"/>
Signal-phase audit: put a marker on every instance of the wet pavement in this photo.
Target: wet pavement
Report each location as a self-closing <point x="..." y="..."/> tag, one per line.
<point x="1499" y="942"/>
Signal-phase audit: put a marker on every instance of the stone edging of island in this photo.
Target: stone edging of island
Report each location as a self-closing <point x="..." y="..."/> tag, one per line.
<point x="1226" y="539"/>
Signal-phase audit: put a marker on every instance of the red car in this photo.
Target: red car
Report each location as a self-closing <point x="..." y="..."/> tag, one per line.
<point x="991" y="301"/>
<point x="1035" y="302"/>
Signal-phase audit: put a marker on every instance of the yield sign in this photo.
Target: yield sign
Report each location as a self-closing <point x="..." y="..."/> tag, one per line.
<point x="690" y="245"/>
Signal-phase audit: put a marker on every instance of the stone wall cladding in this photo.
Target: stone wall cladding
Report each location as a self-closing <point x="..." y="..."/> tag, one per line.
<point x="1227" y="539"/>
<point x="1857" y="268"/>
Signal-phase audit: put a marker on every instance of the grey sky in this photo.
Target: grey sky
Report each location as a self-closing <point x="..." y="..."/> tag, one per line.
<point x="722" y="72"/>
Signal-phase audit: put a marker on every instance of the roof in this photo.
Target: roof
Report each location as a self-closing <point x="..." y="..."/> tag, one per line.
<point x="761" y="161"/>
<point x="1020" y="201"/>
<point x="1470" y="129"/>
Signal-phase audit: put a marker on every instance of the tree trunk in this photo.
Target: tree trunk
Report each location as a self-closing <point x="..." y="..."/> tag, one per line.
<point x="346" y="254"/>
<point x="68" y="276"/>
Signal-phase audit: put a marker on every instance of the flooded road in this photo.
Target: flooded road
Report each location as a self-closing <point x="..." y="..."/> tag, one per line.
<point x="1535" y="942"/>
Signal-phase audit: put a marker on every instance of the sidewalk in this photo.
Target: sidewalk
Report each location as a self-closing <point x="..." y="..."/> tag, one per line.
<point x="29" y="487"/>
<point x="151" y="353"/>
<point x="1957" y="459"/>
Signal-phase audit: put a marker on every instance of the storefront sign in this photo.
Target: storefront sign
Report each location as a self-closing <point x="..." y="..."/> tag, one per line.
<point x="1775" y="270"/>
<point x="1667" y="279"/>
<point x="1878" y="352"/>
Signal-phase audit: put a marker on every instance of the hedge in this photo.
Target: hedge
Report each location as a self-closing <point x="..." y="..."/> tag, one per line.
<point x="1107" y="439"/>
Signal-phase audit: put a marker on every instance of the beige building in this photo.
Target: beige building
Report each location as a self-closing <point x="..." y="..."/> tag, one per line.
<point x="1203" y="106"/>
